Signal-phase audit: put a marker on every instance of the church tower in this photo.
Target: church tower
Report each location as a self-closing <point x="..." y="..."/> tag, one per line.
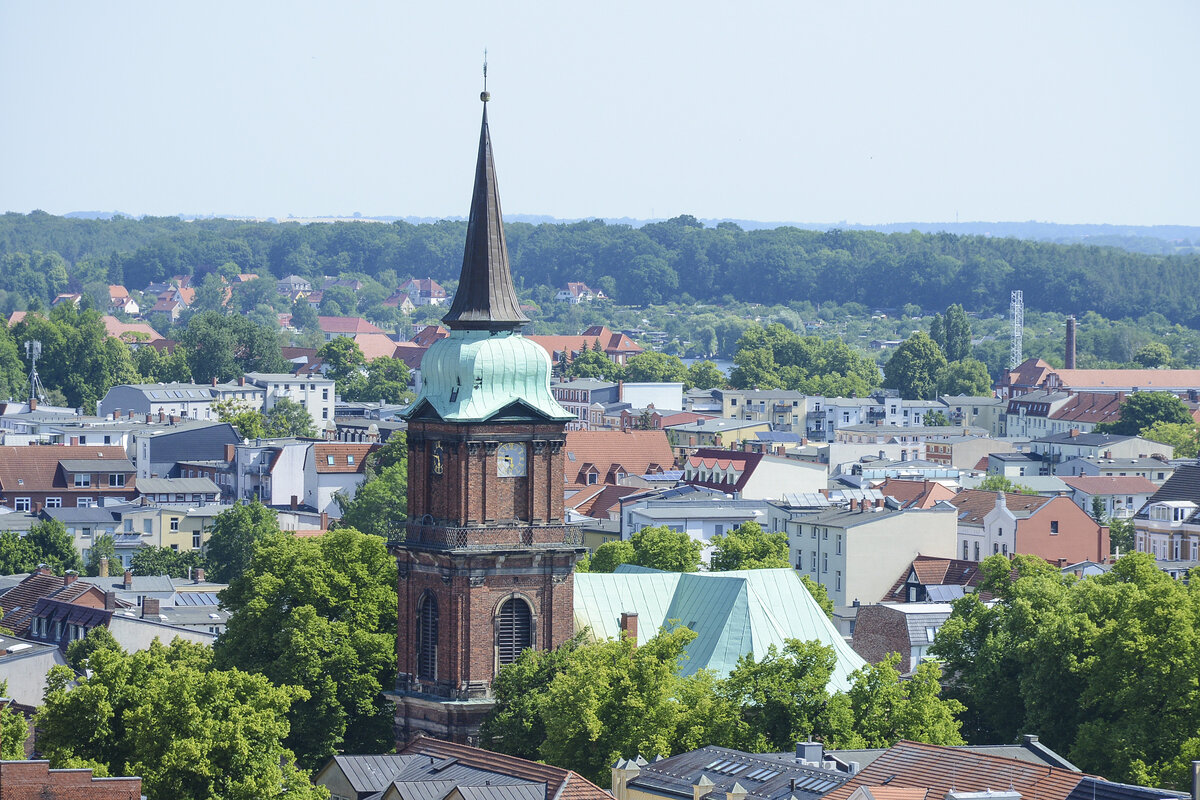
<point x="486" y="567"/>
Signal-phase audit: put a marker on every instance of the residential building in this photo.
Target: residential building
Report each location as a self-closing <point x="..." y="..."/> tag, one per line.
<point x="1029" y="414"/>
<point x="577" y="292"/>
<point x="871" y="471"/>
<point x="333" y="469"/>
<point x="976" y="412"/>
<point x="1033" y="374"/>
<point x="965" y="452"/>
<point x="1168" y="526"/>
<point x="609" y="457"/>
<point x="1155" y="470"/>
<point x="160" y="452"/>
<point x="400" y="301"/>
<point x="333" y="327"/>
<point x="315" y="393"/>
<point x="1059" y="447"/>
<point x="119" y="301"/>
<point x="1015" y="464"/>
<point x="563" y="349"/>
<point x="33" y="478"/>
<point x="425" y="292"/>
<point x="784" y="409"/>
<point x="732" y="613"/>
<point x="752" y="476"/>
<point x="24" y="665"/>
<point x="930" y="579"/>
<point x="700" y="515"/>
<point x="685" y="439"/>
<point x="661" y="396"/>
<point x="178" y="400"/>
<point x="585" y="398"/>
<point x="856" y="552"/>
<point x="908" y="629"/>
<point x="911" y="438"/>
<point x="921" y="494"/>
<point x="1053" y="528"/>
<point x="293" y="285"/>
<point x="1122" y="497"/>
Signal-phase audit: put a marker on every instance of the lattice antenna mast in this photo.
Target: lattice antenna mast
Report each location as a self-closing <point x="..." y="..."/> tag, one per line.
<point x="1016" y="310"/>
<point x="33" y="351"/>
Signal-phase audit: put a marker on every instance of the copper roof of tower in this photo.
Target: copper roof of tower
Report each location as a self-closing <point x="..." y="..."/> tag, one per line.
<point x="486" y="299"/>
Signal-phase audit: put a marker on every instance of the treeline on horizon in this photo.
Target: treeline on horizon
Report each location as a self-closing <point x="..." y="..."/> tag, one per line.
<point x="677" y="260"/>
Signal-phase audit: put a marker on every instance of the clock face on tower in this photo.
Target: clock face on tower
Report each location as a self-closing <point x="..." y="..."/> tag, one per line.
<point x="510" y="460"/>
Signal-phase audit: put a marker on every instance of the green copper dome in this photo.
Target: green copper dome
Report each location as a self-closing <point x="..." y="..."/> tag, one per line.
<point x="472" y="376"/>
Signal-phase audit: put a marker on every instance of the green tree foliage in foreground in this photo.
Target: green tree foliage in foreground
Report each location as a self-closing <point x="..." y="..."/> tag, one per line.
<point x="103" y="547"/>
<point x="820" y="593"/>
<point x="1103" y="668"/>
<point x="319" y="613"/>
<point x="587" y="704"/>
<point x="13" y="731"/>
<point x="1002" y="483"/>
<point x="748" y="546"/>
<point x="235" y="533"/>
<point x="248" y="422"/>
<point x="652" y="367"/>
<point x="1183" y="437"/>
<point x="288" y="418"/>
<point x="45" y="543"/>
<point x="165" y="561"/>
<point x="657" y="547"/>
<point x="190" y="731"/>
<point x="1142" y="410"/>
<point x="380" y="505"/>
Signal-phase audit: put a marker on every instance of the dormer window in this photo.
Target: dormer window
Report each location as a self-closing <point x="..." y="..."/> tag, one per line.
<point x="83" y="479"/>
<point x="350" y="460"/>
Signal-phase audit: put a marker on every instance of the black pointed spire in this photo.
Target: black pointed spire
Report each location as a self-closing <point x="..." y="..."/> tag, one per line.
<point x="486" y="299"/>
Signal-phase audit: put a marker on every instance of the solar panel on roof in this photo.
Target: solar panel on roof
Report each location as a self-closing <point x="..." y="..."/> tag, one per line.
<point x="753" y="776"/>
<point x="768" y="774"/>
<point x="713" y="764"/>
<point x="738" y="769"/>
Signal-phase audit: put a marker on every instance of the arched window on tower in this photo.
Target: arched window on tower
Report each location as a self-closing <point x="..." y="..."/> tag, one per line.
<point x="427" y="638"/>
<point x="514" y="630"/>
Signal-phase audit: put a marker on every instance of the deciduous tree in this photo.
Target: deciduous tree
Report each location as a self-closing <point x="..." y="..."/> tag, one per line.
<point x="235" y="534"/>
<point x="1142" y="410"/>
<point x="748" y="546"/>
<point x="914" y="368"/>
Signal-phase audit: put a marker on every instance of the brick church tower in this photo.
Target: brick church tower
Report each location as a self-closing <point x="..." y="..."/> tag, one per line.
<point x="486" y="568"/>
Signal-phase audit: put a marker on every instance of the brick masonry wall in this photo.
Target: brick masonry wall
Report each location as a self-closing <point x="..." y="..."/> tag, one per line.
<point x="34" y="780"/>
<point x="878" y="631"/>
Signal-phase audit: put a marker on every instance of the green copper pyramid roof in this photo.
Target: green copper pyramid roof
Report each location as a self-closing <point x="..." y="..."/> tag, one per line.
<point x="474" y="376"/>
<point x="732" y="613"/>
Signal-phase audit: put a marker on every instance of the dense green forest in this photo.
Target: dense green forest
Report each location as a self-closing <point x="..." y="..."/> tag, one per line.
<point x="679" y="259"/>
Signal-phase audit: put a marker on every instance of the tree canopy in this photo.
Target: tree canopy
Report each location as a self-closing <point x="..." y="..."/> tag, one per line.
<point x="748" y="546"/>
<point x="235" y="533"/>
<point x="319" y="613"/>
<point x="1142" y="410"/>
<point x="914" y="368"/>
<point x="190" y="731"/>
<point x="46" y="543"/>
<point x="1103" y="668"/>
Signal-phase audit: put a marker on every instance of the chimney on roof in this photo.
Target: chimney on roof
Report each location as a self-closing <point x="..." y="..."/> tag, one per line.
<point x="103" y="566"/>
<point x="44" y="569"/>
<point x="242" y="381"/>
<point x="199" y="575"/>
<point x="324" y="520"/>
<point x="151" y="607"/>
<point x="214" y="380"/>
<point x="116" y="414"/>
<point x="110" y="600"/>
<point x="70" y="577"/>
<point x="853" y="504"/>
<point x="128" y="580"/>
<point x="33" y="404"/>
<point x="1074" y="432"/>
<point x="74" y="440"/>
<point x="162" y="417"/>
<point x="629" y="626"/>
<point x="149" y="418"/>
<point x="295" y="502"/>
<point x="1069" y="356"/>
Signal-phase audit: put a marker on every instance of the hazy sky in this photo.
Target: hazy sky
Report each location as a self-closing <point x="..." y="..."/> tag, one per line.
<point x="803" y="111"/>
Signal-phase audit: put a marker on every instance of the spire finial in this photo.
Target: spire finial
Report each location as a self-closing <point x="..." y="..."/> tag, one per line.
<point x="485" y="95"/>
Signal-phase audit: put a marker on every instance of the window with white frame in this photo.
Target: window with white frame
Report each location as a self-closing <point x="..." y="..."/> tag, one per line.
<point x="84" y="502"/>
<point x="83" y="479"/>
<point x="53" y="502"/>
<point x="22" y="503"/>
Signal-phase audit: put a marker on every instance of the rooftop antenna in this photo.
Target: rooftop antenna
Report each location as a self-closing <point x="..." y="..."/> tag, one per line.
<point x="484" y="96"/>
<point x="1016" y="310"/>
<point x="33" y="351"/>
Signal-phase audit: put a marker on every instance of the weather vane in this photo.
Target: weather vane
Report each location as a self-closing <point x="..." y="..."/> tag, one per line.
<point x="484" y="96"/>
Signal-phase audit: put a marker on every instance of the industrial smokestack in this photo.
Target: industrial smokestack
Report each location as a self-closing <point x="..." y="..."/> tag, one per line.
<point x="1069" y="357"/>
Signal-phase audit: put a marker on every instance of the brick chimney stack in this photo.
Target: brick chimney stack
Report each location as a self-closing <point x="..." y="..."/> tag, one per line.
<point x="151" y="607"/>
<point x="629" y="621"/>
<point x="199" y="575"/>
<point x="1069" y="356"/>
<point x="103" y="566"/>
<point x="128" y="580"/>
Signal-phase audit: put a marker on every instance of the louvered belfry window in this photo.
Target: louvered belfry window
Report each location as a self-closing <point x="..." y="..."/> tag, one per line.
<point x="514" y="630"/>
<point x="427" y="638"/>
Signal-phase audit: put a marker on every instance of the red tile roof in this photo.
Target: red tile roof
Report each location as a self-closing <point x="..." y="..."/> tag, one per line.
<point x="977" y="503"/>
<point x="611" y="343"/>
<point x="1091" y="407"/>
<point x="35" y="469"/>
<point x="561" y="784"/>
<point x="429" y="334"/>
<point x="349" y="325"/>
<point x="375" y="345"/>
<point x="933" y="571"/>
<point x="631" y="452"/>
<point x="128" y="331"/>
<point x="341" y="452"/>
<point x="942" y="769"/>
<point x="916" y="494"/>
<point x="601" y="503"/>
<point x="19" y="602"/>
<point x="1103" y="485"/>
